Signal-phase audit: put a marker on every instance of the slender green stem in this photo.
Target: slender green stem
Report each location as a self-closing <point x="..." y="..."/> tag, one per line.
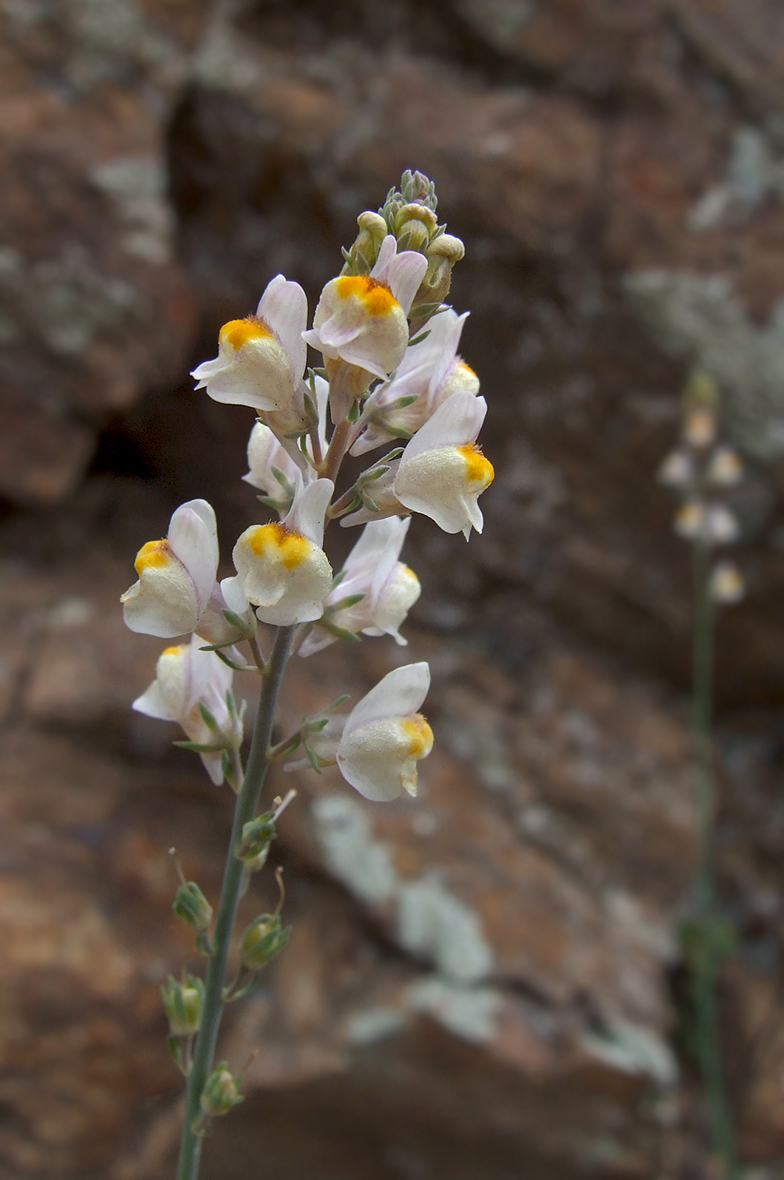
<point x="245" y="810"/>
<point x="701" y="724"/>
<point x="707" y="954"/>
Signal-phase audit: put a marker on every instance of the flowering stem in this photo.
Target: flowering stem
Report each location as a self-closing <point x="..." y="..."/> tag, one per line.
<point x="707" y="952"/>
<point x="315" y="443"/>
<point x="338" y="446"/>
<point x="245" y="810"/>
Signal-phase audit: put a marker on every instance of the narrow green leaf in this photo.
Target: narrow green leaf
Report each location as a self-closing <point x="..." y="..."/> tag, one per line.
<point x="313" y="760"/>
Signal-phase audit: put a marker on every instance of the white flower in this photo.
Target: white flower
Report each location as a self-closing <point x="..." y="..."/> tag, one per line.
<point x="281" y="566"/>
<point x="726" y="583"/>
<point x="711" y="523"/>
<point x="430" y="371"/>
<point x="725" y="468"/>
<point x="677" y="470"/>
<point x="389" y="587"/>
<point x="442" y="472"/>
<point x="261" y="359"/>
<point x="213" y="626"/>
<point x="176" y="575"/>
<point x="699" y="427"/>
<point x="265" y="454"/>
<point x="722" y="525"/>
<point x="266" y="451"/>
<point x="184" y="678"/>
<point x="360" y="323"/>
<point x="379" y="743"/>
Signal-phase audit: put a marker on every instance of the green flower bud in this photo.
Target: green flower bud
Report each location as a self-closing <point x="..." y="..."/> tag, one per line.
<point x="220" y="1092"/>
<point x="442" y="253"/>
<point x="263" y="940"/>
<point x="192" y="906"/>
<point x="183" y="1004"/>
<point x="415" y="186"/>
<point x="414" y="226"/>
<point x="257" y="836"/>
<point x="372" y="231"/>
<point x="701" y="391"/>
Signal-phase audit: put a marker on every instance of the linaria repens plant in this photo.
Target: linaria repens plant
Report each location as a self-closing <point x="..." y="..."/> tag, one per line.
<point x="391" y="375"/>
<point x="701" y="470"/>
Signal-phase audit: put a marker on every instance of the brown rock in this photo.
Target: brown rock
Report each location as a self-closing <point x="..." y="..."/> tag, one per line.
<point x="93" y="307"/>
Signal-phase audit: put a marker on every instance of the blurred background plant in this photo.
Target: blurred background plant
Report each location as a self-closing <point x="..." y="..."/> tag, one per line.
<point x="702" y="470"/>
<point x="483" y="986"/>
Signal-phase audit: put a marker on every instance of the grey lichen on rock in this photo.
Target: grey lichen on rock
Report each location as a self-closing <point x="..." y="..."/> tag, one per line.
<point x="441" y="928"/>
<point x="138" y="186"/>
<point x="471" y="1013"/>
<point x="432" y="923"/>
<point x="360" y="863"/>
<point x="755" y="172"/>
<point x="699" y="318"/>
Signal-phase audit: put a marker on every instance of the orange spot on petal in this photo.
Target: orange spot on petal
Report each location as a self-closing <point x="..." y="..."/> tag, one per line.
<point x="480" y="470"/>
<point x="420" y="736"/>
<point x="280" y="543"/>
<point x="376" y="296"/>
<point x="237" y="333"/>
<point x="153" y="555"/>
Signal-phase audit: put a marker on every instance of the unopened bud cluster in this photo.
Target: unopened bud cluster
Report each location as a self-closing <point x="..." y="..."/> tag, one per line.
<point x="701" y="470"/>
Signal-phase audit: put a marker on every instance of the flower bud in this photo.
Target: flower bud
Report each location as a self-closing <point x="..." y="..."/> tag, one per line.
<point x="220" y="1092"/>
<point x="414" y="226"/>
<point x="372" y="231"/>
<point x="701" y="404"/>
<point x="373" y="224"/>
<point x="183" y="1004"/>
<point x="192" y="906"/>
<point x="447" y="246"/>
<point x="414" y="211"/>
<point x="442" y="254"/>
<point x="256" y="839"/>
<point x="263" y="940"/>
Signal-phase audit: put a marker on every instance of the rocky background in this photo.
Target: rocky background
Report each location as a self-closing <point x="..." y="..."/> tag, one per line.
<point x="484" y="983"/>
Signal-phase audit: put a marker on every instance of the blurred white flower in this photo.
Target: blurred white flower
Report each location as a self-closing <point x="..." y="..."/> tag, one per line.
<point x="725" y="468"/>
<point x="712" y="523"/>
<point x="726" y="584"/>
<point x="677" y="470"/>
<point x="699" y="427"/>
